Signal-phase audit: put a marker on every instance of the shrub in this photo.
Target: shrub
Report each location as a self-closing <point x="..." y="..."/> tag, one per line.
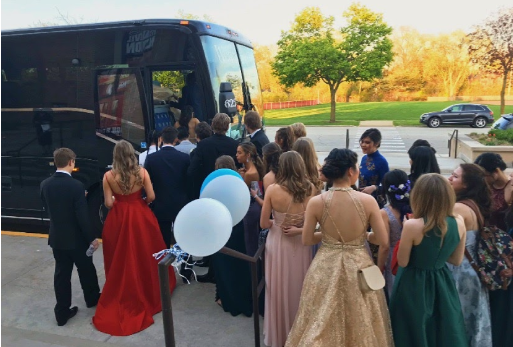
<point x="502" y="135"/>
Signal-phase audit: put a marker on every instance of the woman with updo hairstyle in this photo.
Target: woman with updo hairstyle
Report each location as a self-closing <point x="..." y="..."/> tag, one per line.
<point x="396" y="191"/>
<point x="271" y="156"/>
<point x="131" y="234"/>
<point x="305" y="147"/>
<point x="472" y="193"/>
<point x="252" y="172"/>
<point x="331" y="290"/>
<point x="284" y="138"/>
<point x="299" y="130"/>
<point x="286" y="258"/>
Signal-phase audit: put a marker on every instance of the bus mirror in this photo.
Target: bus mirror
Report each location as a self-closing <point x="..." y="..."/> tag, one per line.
<point x="227" y="102"/>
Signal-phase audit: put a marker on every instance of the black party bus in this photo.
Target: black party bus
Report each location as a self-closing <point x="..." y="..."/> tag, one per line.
<point x="86" y="87"/>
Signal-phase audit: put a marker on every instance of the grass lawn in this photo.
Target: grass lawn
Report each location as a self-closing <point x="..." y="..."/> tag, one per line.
<point x="402" y="113"/>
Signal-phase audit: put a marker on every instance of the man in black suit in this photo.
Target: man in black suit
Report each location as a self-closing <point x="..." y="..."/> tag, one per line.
<point x="204" y="159"/>
<point x="253" y="124"/>
<point x="70" y="235"/>
<point x="167" y="169"/>
<point x="209" y="149"/>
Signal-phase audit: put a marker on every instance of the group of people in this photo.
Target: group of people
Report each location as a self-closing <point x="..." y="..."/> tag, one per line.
<point x="323" y="231"/>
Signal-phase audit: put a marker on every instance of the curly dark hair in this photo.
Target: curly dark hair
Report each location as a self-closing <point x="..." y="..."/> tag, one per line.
<point x="395" y="178"/>
<point x="203" y="130"/>
<point x="478" y="190"/>
<point x="490" y="162"/>
<point x="338" y="162"/>
<point x="373" y="134"/>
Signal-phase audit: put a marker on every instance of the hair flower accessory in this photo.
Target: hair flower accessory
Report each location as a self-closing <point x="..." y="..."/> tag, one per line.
<point x="402" y="191"/>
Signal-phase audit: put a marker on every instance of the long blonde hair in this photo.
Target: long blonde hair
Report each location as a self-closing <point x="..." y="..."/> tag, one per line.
<point x="292" y="176"/>
<point x="125" y="164"/>
<point x="433" y="199"/>
<point x="305" y="147"/>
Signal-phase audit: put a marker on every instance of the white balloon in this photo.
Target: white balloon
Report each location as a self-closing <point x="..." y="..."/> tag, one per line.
<point x="232" y="192"/>
<point x="202" y="227"/>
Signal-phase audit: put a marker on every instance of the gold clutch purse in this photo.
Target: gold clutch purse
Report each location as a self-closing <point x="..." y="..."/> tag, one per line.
<point x="370" y="279"/>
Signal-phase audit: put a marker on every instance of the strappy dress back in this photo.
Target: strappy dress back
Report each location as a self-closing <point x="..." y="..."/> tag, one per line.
<point x="333" y="310"/>
<point x="286" y="263"/>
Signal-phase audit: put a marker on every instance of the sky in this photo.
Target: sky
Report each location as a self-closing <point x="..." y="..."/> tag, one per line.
<point x="261" y="21"/>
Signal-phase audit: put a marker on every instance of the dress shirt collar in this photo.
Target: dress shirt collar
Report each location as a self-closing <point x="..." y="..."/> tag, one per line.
<point x="62" y="171"/>
<point x="253" y="134"/>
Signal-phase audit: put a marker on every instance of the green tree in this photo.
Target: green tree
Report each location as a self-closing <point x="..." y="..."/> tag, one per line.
<point x="309" y="52"/>
<point x="491" y="46"/>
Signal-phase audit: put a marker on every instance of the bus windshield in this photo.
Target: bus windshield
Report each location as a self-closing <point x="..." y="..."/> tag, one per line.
<point x="224" y="66"/>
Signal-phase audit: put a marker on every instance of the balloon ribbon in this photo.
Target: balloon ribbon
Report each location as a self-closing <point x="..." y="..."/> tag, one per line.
<point x="181" y="257"/>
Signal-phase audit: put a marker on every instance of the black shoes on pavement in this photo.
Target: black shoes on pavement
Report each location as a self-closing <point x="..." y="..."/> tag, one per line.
<point x="71" y="313"/>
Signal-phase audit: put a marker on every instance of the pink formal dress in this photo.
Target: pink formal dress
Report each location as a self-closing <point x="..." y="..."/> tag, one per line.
<point x="286" y="265"/>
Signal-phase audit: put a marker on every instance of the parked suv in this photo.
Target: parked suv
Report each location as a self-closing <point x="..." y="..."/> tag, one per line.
<point x="477" y="116"/>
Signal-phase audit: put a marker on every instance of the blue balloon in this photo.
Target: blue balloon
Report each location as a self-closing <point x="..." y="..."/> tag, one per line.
<point x="218" y="173"/>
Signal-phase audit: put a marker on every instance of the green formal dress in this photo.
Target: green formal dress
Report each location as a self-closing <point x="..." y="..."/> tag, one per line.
<point x="425" y="307"/>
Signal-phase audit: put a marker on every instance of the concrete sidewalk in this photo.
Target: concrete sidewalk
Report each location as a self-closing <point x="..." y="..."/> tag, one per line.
<point x="28" y="300"/>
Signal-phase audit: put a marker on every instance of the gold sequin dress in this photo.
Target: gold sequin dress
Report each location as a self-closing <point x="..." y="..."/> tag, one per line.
<point x="333" y="311"/>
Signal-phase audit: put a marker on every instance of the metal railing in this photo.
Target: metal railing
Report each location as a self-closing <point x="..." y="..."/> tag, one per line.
<point x="256" y="289"/>
<point x="449" y="144"/>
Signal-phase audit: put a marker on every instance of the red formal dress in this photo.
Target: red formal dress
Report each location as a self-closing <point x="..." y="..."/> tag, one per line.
<point x="131" y="294"/>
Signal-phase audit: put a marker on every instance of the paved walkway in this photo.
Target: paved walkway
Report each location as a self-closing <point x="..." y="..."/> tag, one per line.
<point x="28" y="301"/>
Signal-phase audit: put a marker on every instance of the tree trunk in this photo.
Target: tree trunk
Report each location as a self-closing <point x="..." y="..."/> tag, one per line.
<point x="503" y="89"/>
<point x="333" y="93"/>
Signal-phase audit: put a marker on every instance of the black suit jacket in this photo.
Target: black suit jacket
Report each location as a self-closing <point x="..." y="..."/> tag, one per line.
<point x="64" y="199"/>
<point x="260" y="140"/>
<point x="204" y="159"/>
<point x="168" y="172"/>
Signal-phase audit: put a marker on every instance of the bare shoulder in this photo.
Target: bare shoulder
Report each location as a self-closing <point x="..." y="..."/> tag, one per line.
<point x="414" y="226"/>
<point x="460" y="221"/>
<point x="316" y="204"/>
<point x="366" y="199"/>
<point x="384" y="214"/>
<point x="253" y="176"/>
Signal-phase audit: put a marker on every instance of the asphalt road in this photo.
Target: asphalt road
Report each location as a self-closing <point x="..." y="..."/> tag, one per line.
<point x="395" y="139"/>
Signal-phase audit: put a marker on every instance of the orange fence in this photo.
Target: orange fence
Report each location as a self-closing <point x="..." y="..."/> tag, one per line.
<point x="289" y="104"/>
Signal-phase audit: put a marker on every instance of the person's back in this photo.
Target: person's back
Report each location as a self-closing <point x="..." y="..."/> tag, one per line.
<point x="335" y="310"/>
<point x="168" y="171"/>
<point x="425" y="308"/>
<point x="286" y="258"/>
<point x="209" y="149"/>
<point x="130" y="234"/>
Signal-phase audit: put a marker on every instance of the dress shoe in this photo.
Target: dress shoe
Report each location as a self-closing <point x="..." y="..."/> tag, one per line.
<point x="71" y="313"/>
<point x="205" y="279"/>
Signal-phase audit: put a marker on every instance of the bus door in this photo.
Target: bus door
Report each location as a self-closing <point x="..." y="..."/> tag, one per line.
<point x="121" y="113"/>
<point x="120" y="107"/>
<point x="167" y="87"/>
